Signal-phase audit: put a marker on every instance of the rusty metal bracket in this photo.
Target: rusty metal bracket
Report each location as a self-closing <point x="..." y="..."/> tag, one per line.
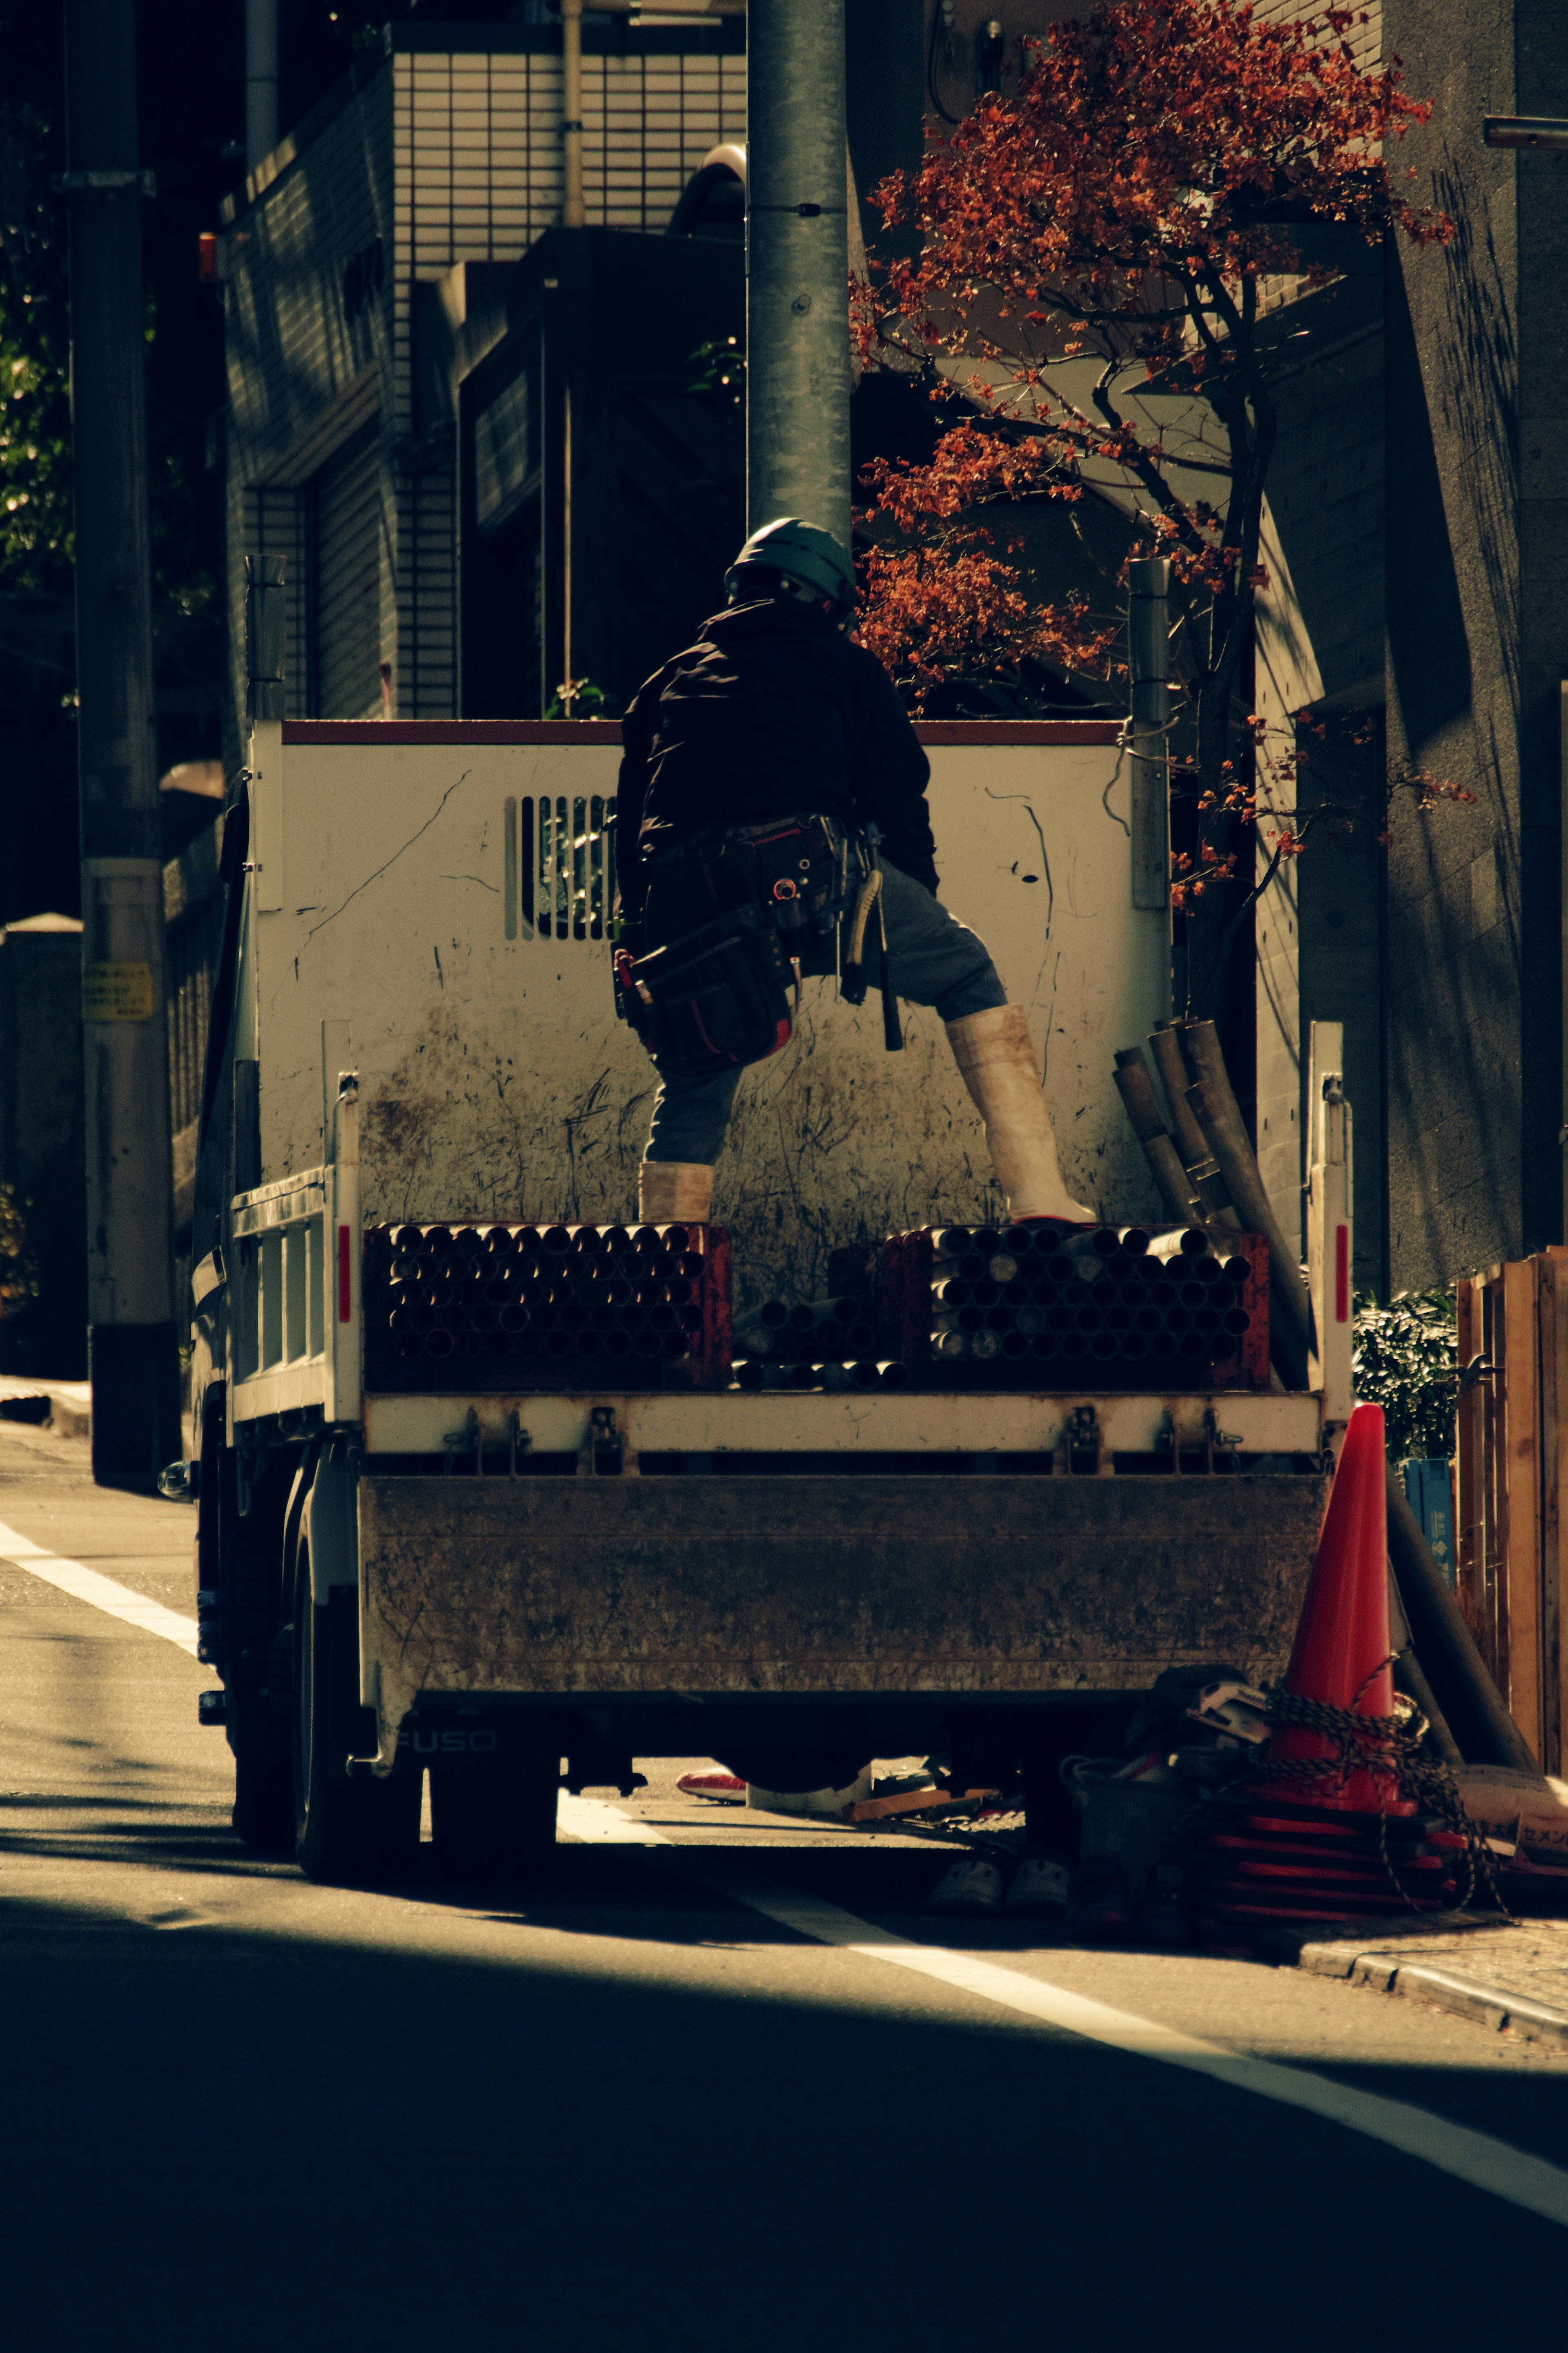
<point x="602" y="1449"/>
<point x="1208" y="1439"/>
<point x="1081" y="1452"/>
<point x="460" y="1441"/>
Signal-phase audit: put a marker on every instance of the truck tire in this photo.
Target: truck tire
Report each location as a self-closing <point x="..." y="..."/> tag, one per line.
<point x="359" y="1833"/>
<point x="263" y="1815"/>
<point x="493" y="1817"/>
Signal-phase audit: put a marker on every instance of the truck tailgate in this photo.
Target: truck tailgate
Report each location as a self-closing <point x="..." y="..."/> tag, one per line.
<point x="982" y="1586"/>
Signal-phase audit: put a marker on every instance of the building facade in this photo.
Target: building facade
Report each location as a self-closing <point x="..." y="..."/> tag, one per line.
<point x="1418" y="496"/>
<point x="442" y="148"/>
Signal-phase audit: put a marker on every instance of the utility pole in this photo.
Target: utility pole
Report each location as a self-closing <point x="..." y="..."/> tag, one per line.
<point x="131" y="1318"/>
<point x="260" y="81"/>
<point x="798" y="266"/>
<point x="571" y="211"/>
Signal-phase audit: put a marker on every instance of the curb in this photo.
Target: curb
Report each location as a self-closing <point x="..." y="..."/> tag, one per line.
<point x="1363" y="1957"/>
<point x="68" y="1415"/>
<point x="67" y="1419"/>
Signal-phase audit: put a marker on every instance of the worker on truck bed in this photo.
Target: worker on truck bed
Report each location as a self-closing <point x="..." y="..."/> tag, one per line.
<point x="771" y="768"/>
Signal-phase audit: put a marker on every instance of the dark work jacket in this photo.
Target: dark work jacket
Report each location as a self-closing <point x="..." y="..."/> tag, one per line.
<point x="771" y="712"/>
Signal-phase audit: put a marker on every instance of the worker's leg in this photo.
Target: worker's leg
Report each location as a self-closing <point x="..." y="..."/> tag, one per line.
<point x="690" y="1117"/>
<point x="938" y="961"/>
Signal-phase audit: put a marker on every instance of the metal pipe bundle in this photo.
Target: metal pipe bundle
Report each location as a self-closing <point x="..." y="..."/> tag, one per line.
<point x="1087" y="1304"/>
<point x="815" y="1344"/>
<point x="770" y="1373"/>
<point x="504" y="1292"/>
<point x="811" y="1332"/>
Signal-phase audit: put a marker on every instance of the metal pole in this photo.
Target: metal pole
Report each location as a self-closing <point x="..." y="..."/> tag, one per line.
<point x="260" y="81"/>
<point x="571" y="112"/>
<point x="131" y="1316"/>
<point x="798" y="300"/>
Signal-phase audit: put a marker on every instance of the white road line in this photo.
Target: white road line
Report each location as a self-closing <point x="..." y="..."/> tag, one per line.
<point x="88" y="1584"/>
<point x="600" y="1824"/>
<point x="1470" y="2156"/>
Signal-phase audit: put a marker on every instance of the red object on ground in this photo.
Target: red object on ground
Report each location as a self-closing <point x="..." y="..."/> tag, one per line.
<point x="1342" y="1638"/>
<point x="1335" y="1846"/>
<point x="727" y="1787"/>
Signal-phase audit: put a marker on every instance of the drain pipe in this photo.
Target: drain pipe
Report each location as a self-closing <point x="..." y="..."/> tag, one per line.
<point x="1149" y="665"/>
<point x="260" y="81"/>
<point x="798" y="267"/>
<point x="571" y="112"/>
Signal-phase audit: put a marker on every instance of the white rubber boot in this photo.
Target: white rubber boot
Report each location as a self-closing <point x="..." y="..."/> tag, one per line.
<point x="674" y="1193"/>
<point x="995" y="1056"/>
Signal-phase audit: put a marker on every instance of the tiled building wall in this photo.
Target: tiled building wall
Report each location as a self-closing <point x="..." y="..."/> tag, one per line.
<point x="444" y="156"/>
<point x="1365" y="36"/>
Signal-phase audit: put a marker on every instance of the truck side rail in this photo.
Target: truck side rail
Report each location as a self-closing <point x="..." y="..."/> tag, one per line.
<point x="294" y="1305"/>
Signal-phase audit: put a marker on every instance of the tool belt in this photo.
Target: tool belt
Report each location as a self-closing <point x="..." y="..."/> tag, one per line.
<point x="716" y="995"/>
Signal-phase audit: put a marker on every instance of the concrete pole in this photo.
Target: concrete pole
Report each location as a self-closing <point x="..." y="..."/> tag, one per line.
<point x="572" y="114"/>
<point x="131" y="1316"/>
<point x="798" y="266"/>
<point x="260" y="81"/>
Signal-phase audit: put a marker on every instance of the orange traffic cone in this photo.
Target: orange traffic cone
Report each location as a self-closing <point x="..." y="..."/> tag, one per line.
<point x="1342" y="1844"/>
<point x="1343" y="1642"/>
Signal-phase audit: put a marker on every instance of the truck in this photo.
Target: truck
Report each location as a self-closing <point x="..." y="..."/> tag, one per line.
<point x="511" y="1570"/>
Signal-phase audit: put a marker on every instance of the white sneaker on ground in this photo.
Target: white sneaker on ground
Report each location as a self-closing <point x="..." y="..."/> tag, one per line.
<point x="1040" y="1890"/>
<point x="969" y="1889"/>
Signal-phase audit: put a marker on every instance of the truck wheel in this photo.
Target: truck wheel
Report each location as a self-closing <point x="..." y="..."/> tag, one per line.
<point x="493" y="1817"/>
<point x="263" y="1813"/>
<point x="349" y="1834"/>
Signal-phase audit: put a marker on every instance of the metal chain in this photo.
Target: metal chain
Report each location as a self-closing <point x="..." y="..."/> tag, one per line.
<point x="1386" y="1744"/>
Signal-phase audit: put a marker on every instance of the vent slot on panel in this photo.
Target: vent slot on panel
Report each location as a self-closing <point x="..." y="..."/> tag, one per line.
<point x="576" y="869"/>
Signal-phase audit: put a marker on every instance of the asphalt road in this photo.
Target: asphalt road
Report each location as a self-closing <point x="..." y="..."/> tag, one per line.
<point x="699" y="2094"/>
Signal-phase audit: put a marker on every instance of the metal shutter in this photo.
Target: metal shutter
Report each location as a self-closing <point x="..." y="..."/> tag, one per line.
<point x="347" y="521"/>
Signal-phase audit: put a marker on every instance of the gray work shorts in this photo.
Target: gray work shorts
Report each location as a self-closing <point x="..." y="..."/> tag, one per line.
<point x="935" y="959"/>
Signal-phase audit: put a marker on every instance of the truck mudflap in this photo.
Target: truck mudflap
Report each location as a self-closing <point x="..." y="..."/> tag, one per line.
<point x="583" y="1591"/>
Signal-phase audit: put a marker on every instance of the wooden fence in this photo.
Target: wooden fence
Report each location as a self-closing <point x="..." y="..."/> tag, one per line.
<point x="1512" y="1550"/>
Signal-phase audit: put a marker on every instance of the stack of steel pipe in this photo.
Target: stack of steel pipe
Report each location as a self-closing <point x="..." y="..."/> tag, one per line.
<point x="521" y="1306"/>
<point x="817" y="1344"/>
<point x="1035" y="1306"/>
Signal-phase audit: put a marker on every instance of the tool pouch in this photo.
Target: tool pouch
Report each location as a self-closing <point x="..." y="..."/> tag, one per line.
<point x="713" y="1001"/>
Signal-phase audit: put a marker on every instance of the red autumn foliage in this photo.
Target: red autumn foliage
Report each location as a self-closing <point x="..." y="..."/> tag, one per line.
<point x="1095" y="257"/>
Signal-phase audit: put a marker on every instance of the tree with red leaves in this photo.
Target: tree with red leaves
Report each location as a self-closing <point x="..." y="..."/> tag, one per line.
<point x="1099" y="250"/>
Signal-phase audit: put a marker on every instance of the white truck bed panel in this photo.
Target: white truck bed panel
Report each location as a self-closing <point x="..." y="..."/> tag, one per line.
<point x="495" y="1079"/>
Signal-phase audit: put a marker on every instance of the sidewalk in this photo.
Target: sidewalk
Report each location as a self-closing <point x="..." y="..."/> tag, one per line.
<point x="65" y="1406"/>
<point x="1500" y="1974"/>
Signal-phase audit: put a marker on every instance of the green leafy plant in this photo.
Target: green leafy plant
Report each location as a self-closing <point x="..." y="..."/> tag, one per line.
<point x="35" y="397"/>
<point x="1405" y="1361"/>
<point x="578" y="698"/>
<point x="18" y="1266"/>
<point x="721" y="366"/>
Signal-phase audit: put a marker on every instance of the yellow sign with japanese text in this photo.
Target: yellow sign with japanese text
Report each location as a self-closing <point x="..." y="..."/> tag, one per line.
<point x="116" y="992"/>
